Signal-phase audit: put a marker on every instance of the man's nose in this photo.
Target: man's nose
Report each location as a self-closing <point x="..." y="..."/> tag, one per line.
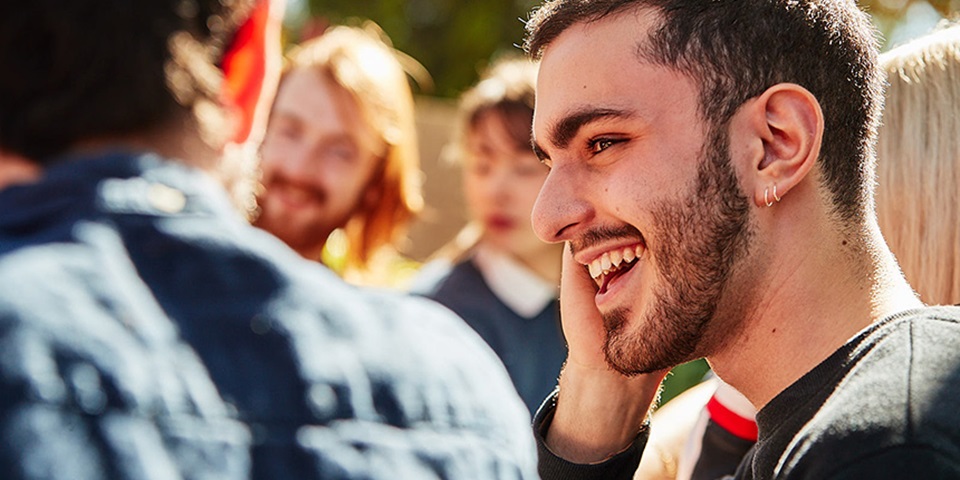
<point x="561" y="206"/>
<point x="300" y="163"/>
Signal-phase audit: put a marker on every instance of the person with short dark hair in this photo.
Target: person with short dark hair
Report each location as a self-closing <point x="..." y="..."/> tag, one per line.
<point x="147" y="331"/>
<point x="712" y="175"/>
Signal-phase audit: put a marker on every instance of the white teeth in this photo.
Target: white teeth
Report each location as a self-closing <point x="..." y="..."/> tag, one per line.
<point x="605" y="262"/>
<point x="595" y="269"/>
<point x="613" y="260"/>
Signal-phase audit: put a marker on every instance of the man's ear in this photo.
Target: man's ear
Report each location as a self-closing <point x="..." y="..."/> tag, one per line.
<point x="787" y="123"/>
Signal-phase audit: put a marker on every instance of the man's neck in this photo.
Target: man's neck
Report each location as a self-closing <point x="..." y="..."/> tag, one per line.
<point x="822" y="289"/>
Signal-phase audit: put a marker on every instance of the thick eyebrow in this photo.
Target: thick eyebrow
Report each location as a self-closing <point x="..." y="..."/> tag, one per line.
<point x="564" y="131"/>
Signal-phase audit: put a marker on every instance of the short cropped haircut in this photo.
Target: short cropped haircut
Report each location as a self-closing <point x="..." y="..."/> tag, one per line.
<point x="736" y="49"/>
<point x="918" y="163"/>
<point x="92" y="69"/>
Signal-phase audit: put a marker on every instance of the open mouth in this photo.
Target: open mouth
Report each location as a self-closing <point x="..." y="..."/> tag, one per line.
<point x="293" y="196"/>
<point x="613" y="264"/>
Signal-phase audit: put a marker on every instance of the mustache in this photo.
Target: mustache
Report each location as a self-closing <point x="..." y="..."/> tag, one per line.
<point x="597" y="235"/>
<point x="319" y="194"/>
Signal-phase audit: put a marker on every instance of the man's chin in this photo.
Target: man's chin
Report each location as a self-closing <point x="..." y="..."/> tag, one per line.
<point x="636" y="366"/>
<point x="308" y="246"/>
<point x="636" y="345"/>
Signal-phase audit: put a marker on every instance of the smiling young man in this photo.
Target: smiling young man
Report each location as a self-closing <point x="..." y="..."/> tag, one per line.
<point x="711" y="172"/>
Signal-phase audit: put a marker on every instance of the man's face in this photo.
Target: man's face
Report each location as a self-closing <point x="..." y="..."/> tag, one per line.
<point x="319" y="156"/>
<point x="643" y="191"/>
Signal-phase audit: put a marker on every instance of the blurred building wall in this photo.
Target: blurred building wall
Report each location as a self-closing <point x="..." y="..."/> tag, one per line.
<point x="444" y="213"/>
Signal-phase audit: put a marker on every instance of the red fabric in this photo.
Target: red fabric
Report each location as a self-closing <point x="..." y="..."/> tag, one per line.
<point x="744" y="428"/>
<point x="244" y="67"/>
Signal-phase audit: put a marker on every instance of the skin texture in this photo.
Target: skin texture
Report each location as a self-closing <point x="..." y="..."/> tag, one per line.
<point x="722" y="272"/>
<point x="690" y="238"/>
<point x="319" y="157"/>
<point x="501" y="183"/>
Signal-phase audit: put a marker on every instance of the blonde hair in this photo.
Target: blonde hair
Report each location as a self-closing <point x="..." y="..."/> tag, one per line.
<point x="918" y="163"/>
<point x="362" y="61"/>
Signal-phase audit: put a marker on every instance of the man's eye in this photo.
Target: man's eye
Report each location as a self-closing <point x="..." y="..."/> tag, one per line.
<point x="600" y="144"/>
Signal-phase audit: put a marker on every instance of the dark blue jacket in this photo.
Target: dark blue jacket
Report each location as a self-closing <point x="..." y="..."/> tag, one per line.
<point x="532" y="349"/>
<point x="146" y="331"/>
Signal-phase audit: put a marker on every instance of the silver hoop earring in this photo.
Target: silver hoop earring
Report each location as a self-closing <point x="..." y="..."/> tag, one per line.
<point x="766" y="197"/>
<point x="775" y="197"/>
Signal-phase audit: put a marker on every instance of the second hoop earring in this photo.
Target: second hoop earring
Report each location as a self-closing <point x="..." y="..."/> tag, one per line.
<point x="766" y="196"/>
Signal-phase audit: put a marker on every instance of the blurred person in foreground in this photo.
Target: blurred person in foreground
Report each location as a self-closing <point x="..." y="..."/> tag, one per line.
<point x="918" y="163"/>
<point x="730" y="144"/>
<point x="340" y="154"/>
<point x="497" y="274"/>
<point x="15" y="169"/>
<point x="148" y="331"/>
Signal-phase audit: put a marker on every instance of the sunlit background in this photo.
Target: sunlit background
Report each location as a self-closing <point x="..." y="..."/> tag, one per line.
<point x="454" y="40"/>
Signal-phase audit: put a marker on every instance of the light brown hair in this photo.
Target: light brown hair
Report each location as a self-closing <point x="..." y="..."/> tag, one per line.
<point x="362" y="61"/>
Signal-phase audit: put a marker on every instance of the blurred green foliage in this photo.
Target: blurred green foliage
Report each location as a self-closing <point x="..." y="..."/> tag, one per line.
<point x="455" y="39"/>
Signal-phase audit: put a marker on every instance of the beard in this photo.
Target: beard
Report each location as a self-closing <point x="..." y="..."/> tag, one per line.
<point x="701" y="240"/>
<point x="306" y="231"/>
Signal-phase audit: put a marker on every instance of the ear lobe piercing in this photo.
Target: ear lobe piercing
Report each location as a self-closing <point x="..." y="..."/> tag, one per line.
<point x="766" y="196"/>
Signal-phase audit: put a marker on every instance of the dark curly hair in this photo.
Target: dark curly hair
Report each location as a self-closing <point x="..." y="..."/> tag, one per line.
<point x="736" y="49"/>
<point x="89" y="69"/>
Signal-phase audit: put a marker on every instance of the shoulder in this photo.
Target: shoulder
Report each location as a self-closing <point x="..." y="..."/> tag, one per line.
<point x="902" y="461"/>
<point x="311" y="364"/>
<point x="398" y="368"/>
<point x="430" y="276"/>
<point x="439" y="272"/>
<point x="434" y="385"/>
<point x="88" y="357"/>
<point x="446" y="282"/>
<point x="896" y="403"/>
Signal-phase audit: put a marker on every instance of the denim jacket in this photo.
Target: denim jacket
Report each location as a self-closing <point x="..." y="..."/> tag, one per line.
<point x="148" y="332"/>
